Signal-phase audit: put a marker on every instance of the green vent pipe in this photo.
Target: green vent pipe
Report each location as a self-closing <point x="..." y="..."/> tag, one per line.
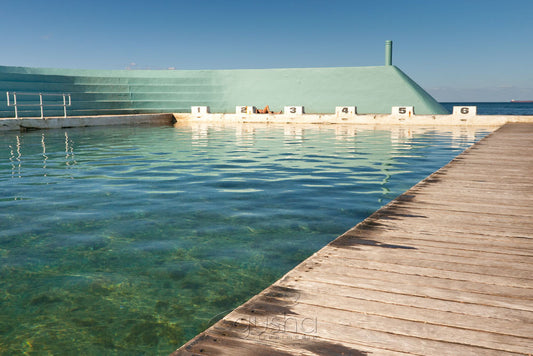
<point x="388" y="53"/>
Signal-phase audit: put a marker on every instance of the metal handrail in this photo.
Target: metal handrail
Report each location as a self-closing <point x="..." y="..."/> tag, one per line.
<point x="41" y="103"/>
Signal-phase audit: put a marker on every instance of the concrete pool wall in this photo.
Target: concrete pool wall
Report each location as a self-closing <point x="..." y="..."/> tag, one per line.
<point x="119" y="92"/>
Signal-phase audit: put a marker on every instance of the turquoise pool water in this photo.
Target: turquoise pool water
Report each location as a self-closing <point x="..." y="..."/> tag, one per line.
<point x="131" y="240"/>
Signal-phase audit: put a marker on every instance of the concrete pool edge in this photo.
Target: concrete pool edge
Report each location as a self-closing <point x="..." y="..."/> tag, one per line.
<point x="361" y="119"/>
<point x="326" y="119"/>
<point x="84" y="121"/>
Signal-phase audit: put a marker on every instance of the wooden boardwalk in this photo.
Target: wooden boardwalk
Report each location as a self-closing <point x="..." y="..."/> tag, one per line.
<point x="445" y="269"/>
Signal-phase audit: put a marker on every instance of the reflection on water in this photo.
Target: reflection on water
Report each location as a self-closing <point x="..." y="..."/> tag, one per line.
<point x="45" y="157"/>
<point x="70" y="160"/>
<point x="14" y="158"/>
<point x="131" y="240"/>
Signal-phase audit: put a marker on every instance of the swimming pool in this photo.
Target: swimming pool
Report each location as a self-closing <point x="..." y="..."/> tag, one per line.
<point x="131" y="240"/>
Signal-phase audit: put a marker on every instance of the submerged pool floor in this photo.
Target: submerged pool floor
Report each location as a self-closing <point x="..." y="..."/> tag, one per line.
<point x="132" y="240"/>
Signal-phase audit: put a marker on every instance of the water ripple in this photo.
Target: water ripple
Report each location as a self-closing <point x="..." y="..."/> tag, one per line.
<point x="129" y="240"/>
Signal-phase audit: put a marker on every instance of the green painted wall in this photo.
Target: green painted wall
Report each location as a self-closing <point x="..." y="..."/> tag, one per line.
<point x="319" y="90"/>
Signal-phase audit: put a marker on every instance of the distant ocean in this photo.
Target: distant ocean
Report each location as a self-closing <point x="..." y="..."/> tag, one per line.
<point x="506" y="108"/>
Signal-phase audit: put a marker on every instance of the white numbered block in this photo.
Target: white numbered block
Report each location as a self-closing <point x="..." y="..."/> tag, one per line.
<point x="403" y="112"/>
<point x="345" y="110"/>
<point x="465" y="111"/>
<point x="293" y="110"/>
<point x="199" y="109"/>
<point x="245" y="110"/>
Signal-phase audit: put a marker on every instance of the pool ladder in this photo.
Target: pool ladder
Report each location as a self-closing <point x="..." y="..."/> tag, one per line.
<point x="41" y="101"/>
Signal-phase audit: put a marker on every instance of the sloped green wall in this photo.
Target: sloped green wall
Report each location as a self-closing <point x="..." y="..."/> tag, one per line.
<point x="319" y="90"/>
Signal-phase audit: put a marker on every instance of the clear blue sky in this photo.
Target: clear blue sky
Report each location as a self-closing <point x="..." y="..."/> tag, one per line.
<point x="458" y="50"/>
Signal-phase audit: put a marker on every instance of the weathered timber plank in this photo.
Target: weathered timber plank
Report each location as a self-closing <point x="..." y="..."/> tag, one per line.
<point x="350" y="304"/>
<point x="491" y="265"/>
<point x="444" y="290"/>
<point x="323" y="290"/>
<point x="459" y="207"/>
<point x="453" y="206"/>
<point x="435" y="198"/>
<point x="424" y="279"/>
<point x="336" y="316"/>
<point x="480" y="182"/>
<point x="412" y="269"/>
<point x="244" y="339"/>
<point x="279" y="339"/>
<point x="451" y="239"/>
<point x="389" y="333"/>
<point x="511" y="276"/>
<point x="457" y="225"/>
